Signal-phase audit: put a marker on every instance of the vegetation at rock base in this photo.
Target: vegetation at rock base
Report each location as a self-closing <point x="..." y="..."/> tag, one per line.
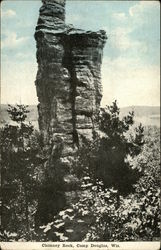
<point x="106" y="158"/>
<point x="138" y="216"/>
<point x="119" y="192"/>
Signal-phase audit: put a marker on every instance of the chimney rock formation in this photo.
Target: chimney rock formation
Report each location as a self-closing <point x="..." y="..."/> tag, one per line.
<point x="68" y="80"/>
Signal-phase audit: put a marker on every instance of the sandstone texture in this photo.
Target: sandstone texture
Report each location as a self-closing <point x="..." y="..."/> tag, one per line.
<point x="68" y="80"/>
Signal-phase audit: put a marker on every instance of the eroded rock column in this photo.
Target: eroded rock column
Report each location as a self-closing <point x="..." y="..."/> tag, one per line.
<point x="68" y="80"/>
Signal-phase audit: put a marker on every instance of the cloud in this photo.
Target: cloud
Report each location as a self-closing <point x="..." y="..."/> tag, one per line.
<point x="143" y="7"/>
<point x="11" y="40"/>
<point x="8" y="13"/>
<point x="121" y="16"/>
<point x="130" y="82"/>
<point x="139" y="16"/>
<point x="121" y="40"/>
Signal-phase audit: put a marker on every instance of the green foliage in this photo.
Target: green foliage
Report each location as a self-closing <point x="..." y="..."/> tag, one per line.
<point x="106" y="158"/>
<point x="21" y="160"/>
<point x="32" y="178"/>
<point x="138" y="215"/>
<point x="18" y="113"/>
<point x="147" y="189"/>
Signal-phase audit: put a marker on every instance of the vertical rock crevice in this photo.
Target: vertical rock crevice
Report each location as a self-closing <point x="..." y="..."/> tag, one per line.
<point x="68" y="64"/>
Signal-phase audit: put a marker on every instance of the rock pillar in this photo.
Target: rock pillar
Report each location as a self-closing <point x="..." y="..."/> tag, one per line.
<point x="68" y="80"/>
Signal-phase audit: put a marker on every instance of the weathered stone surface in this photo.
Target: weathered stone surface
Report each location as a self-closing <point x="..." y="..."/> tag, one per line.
<point x="68" y="80"/>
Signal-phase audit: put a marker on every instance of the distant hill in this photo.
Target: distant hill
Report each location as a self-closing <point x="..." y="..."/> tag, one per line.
<point x="147" y="115"/>
<point x="142" y="110"/>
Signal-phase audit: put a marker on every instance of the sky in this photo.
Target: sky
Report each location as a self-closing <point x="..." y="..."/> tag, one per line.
<point x="131" y="61"/>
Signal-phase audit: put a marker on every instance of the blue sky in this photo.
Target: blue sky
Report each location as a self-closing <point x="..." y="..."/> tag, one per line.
<point x="130" y="69"/>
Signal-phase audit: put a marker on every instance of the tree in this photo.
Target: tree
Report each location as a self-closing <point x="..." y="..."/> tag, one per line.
<point x="21" y="158"/>
<point x="18" y="113"/>
<point x="32" y="178"/>
<point x="106" y="158"/>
